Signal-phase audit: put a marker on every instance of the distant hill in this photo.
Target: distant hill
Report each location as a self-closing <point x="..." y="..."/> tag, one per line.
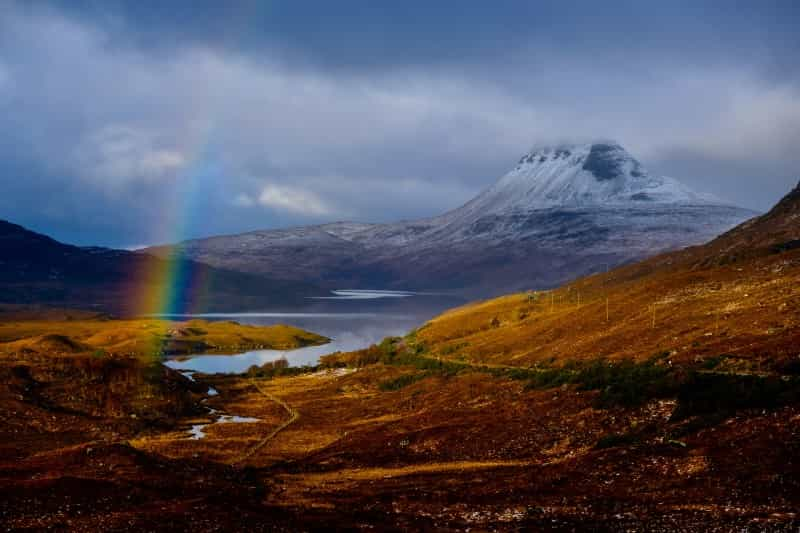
<point x="561" y="212"/>
<point x="36" y="269"/>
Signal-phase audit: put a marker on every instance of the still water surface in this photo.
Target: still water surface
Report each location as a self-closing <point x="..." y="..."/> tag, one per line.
<point x="350" y="322"/>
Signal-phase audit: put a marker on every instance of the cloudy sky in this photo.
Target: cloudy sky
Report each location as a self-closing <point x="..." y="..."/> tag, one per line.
<point x="129" y="123"/>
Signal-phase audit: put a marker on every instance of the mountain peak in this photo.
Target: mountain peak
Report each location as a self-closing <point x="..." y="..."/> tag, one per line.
<point x="609" y="161"/>
<point x="576" y="175"/>
<point x="605" y="160"/>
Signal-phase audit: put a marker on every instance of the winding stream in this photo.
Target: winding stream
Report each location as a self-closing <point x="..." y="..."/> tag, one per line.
<point x="352" y="319"/>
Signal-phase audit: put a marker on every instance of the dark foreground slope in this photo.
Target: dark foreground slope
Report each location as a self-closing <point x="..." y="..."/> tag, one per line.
<point x="35" y="269"/>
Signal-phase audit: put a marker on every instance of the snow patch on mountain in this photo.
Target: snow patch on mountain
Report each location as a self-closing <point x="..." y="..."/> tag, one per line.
<point x="598" y="174"/>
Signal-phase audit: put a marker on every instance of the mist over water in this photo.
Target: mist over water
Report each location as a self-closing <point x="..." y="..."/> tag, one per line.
<point x="350" y="323"/>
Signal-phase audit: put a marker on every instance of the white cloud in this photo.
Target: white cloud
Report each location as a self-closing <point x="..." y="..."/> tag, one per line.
<point x="118" y="154"/>
<point x="293" y="200"/>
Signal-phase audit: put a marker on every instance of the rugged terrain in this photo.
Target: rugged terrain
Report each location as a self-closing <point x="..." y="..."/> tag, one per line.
<point x="661" y="396"/>
<point x="560" y="213"/>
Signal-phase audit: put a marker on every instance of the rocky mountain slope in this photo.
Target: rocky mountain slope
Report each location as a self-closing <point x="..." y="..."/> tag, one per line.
<point x="561" y="212"/>
<point x="37" y="269"/>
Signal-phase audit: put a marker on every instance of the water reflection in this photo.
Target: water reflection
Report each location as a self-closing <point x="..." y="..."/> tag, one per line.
<point x="360" y="294"/>
<point x="345" y="336"/>
<point x="352" y="324"/>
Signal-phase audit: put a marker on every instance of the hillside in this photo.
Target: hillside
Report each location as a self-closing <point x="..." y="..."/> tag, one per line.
<point x="49" y="337"/>
<point x="35" y="269"/>
<point x="736" y="296"/>
<point x="561" y="212"/>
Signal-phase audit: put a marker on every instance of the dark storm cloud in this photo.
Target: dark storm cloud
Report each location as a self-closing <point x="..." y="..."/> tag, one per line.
<point x="262" y="114"/>
<point x="367" y="35"/>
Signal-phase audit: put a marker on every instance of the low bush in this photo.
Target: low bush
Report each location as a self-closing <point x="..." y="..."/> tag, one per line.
<point x="625" y="382"/>
<point x="617" y="439"/>
<point x="279" y="367"/>
<point x="403" y="381"/>
<point x="712" y="362"/>
<point x="721" y="394"/>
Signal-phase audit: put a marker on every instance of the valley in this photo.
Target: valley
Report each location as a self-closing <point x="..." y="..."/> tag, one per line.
<point x="474" y="267"/>
<point x="661" y="395"/>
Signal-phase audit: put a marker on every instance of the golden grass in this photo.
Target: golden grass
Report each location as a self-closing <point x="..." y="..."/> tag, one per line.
<point x="145" y="337"/>
<point x="688" y="313"/>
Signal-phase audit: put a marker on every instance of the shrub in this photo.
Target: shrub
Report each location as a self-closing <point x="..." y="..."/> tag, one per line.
<point x="712" y="362"/>
<point x="279" y="367"/>
<point x="401" y="382"/>
<point x="625" y="383"/>
<point x="550" y="377"/>
<point x="720" y="394"/>
<point x="614" y="440"/>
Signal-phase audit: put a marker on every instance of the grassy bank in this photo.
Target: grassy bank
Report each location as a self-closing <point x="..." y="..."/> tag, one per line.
<point x="144" y="338"/>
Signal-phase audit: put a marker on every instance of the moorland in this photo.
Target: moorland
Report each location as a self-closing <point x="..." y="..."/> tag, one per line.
<point x="662" y="395"/>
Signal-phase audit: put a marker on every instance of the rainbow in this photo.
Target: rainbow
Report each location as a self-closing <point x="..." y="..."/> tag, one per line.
<point x="173" y="285"/>
<point x="169" y="286"/>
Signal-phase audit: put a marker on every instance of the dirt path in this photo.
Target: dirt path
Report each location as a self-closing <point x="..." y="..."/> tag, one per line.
<point x="293" y="416"/>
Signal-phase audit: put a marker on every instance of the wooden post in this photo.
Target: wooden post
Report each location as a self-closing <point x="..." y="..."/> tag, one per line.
<point x="606" y="308"/>
<point x="654" y="316"/>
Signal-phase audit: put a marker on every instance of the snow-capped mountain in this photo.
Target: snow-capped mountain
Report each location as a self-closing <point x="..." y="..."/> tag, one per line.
<point x="562" y="211"/>
<point x="579" y="176"/>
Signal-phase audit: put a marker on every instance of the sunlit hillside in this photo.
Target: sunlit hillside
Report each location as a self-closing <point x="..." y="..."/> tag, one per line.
<point x="736" y="298"/>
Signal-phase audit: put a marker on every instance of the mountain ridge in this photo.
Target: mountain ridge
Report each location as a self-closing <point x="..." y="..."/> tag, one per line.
<point x="559" y="213"/>
<point x="37" y="269"/>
